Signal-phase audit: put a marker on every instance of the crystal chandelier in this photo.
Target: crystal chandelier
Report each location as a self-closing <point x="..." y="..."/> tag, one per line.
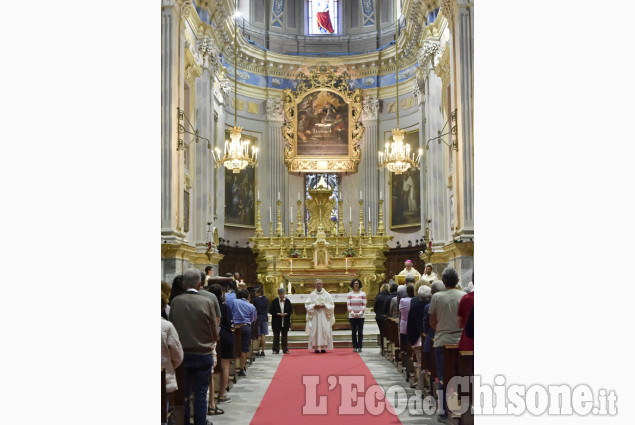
<point x="397" y="157"/>
<point x="236" y="156"/>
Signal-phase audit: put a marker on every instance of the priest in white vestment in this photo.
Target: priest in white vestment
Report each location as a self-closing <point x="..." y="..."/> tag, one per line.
<point x="428" y="275"/>
<point x="320" y="317"/>
<point x="408" y="269"/>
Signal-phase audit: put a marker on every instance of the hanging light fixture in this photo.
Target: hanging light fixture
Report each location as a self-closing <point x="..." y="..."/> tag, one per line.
<point x="236" y="156"/>
<point x="397" y="157"/>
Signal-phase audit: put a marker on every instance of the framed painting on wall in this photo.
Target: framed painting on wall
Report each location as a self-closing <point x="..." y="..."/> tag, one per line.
<point x="322" y="127"/>
<point x="240" y="193"/>
<point x="405" y="191"/>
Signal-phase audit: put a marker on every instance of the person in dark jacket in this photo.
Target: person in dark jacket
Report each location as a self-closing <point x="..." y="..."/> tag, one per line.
<point x="177" y="287"/>
<point x="378" y="308"/>
<point x="280" y="309"/>
<point x="226" y="342"/>
<point x="414" y="328"/>
<point x="391" y="295"/>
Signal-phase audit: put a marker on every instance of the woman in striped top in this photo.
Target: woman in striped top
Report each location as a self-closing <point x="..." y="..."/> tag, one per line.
<point x="356" y="304"/>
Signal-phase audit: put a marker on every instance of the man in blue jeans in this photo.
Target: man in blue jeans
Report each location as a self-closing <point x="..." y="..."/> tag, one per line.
<point x="244" y="314"/>
<point x="194" y="318"/>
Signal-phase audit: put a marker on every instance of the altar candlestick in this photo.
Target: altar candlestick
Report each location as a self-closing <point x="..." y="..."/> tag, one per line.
<point x="290" y="213"/>
<point x="291" y="265"/>
<point x="380" y="195"/>
<point x="298" y="196"/>
<point x="270" y="220"/>
<point x="360" y="194"/>
<point x="350" y="213"/>
<point x="259" y="195"/>
<point x="278" y="196"/>
<point x="368" y="213"/>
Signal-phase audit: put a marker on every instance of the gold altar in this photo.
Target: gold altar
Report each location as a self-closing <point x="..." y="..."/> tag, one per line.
<point x="327" y="252"/>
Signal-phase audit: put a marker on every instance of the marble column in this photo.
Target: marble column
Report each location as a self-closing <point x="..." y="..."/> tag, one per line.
<point x="370" y="183"/>
<point x="218" y="201"/>
<point x="436" y="162"/>
<point x="203" y="162"/>
<point x="173" y="16"/>
<point x="170" y="66"/>
<point x="462" y="71"/>
<point x="278" y="172"/>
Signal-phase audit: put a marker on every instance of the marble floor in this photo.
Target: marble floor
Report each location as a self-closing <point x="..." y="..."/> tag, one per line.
<point x="249" y="391"/>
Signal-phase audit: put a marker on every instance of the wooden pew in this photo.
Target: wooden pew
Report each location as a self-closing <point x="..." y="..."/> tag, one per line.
<point x="450" y="370"/>
<point x="179" y="395"/>
<point x="392" y="336"/>
<point x="466" y="368"/>
<point x="164" y="398"/>
<point x="254" y="342"/>
<point x="237" y="351"/>
<point x="429" y="370"/>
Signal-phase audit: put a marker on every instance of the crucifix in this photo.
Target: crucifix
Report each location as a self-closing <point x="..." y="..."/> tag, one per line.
<point x="273" y="279"/>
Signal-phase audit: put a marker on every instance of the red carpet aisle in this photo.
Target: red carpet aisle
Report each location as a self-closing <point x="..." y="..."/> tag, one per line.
<point x="287" y="394"/>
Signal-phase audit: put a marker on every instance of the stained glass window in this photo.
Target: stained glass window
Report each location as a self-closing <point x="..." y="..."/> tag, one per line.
<point x="332" y="180"/>
<point x="323" y="16"/>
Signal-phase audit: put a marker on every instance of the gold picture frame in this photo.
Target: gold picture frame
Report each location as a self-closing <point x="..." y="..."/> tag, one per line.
<point x="324" y="114"/>
<point x="405" y="190"/>
<point x="240" y="192"/>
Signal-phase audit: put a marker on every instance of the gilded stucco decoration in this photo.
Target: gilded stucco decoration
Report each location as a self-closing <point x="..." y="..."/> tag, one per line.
<point x="322" y="127"/>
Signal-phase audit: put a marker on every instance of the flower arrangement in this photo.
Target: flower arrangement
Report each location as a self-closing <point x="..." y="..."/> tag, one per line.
<point x="349" y="252"/>
<point x="294" y="253"/>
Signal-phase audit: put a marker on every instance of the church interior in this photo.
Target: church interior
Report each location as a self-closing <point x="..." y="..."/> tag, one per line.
<point x="331" y="140"/>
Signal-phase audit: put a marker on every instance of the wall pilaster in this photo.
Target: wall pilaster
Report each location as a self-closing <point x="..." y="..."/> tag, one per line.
<point x="369" y="172"/>
<point x="170" y="90"/>
<point x="462" y="97"/>
<point x="278" y="179"/>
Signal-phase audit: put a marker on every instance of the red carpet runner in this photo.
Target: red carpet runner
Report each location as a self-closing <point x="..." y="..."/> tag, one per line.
<point x="287" y="395"/>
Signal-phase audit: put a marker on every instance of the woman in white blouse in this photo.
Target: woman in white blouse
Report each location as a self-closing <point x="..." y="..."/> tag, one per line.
<point x="356" y="304"/>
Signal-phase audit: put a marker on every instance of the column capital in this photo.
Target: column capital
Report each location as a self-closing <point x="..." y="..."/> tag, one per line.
<point x="186" y="7"/>
<point x="417" y="93"/>
<point x="442" y="68"/>
<point x="428" y="55"/>
<point x="275" y="109"/>
<point x="225" y="89"/>
<point x="209" y="53"/>
<point x="370" y="107"/>
<point x="447" y="8"/>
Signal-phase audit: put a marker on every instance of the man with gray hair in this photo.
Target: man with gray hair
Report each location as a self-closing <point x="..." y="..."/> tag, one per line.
<point x="443" y="319"/>
<point x="194" y="318"/>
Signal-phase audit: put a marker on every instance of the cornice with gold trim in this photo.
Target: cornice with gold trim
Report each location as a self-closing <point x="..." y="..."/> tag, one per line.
<point x="451" y="251"/>
<point x="188" y="253"/>
<point x="443" y="67"/>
